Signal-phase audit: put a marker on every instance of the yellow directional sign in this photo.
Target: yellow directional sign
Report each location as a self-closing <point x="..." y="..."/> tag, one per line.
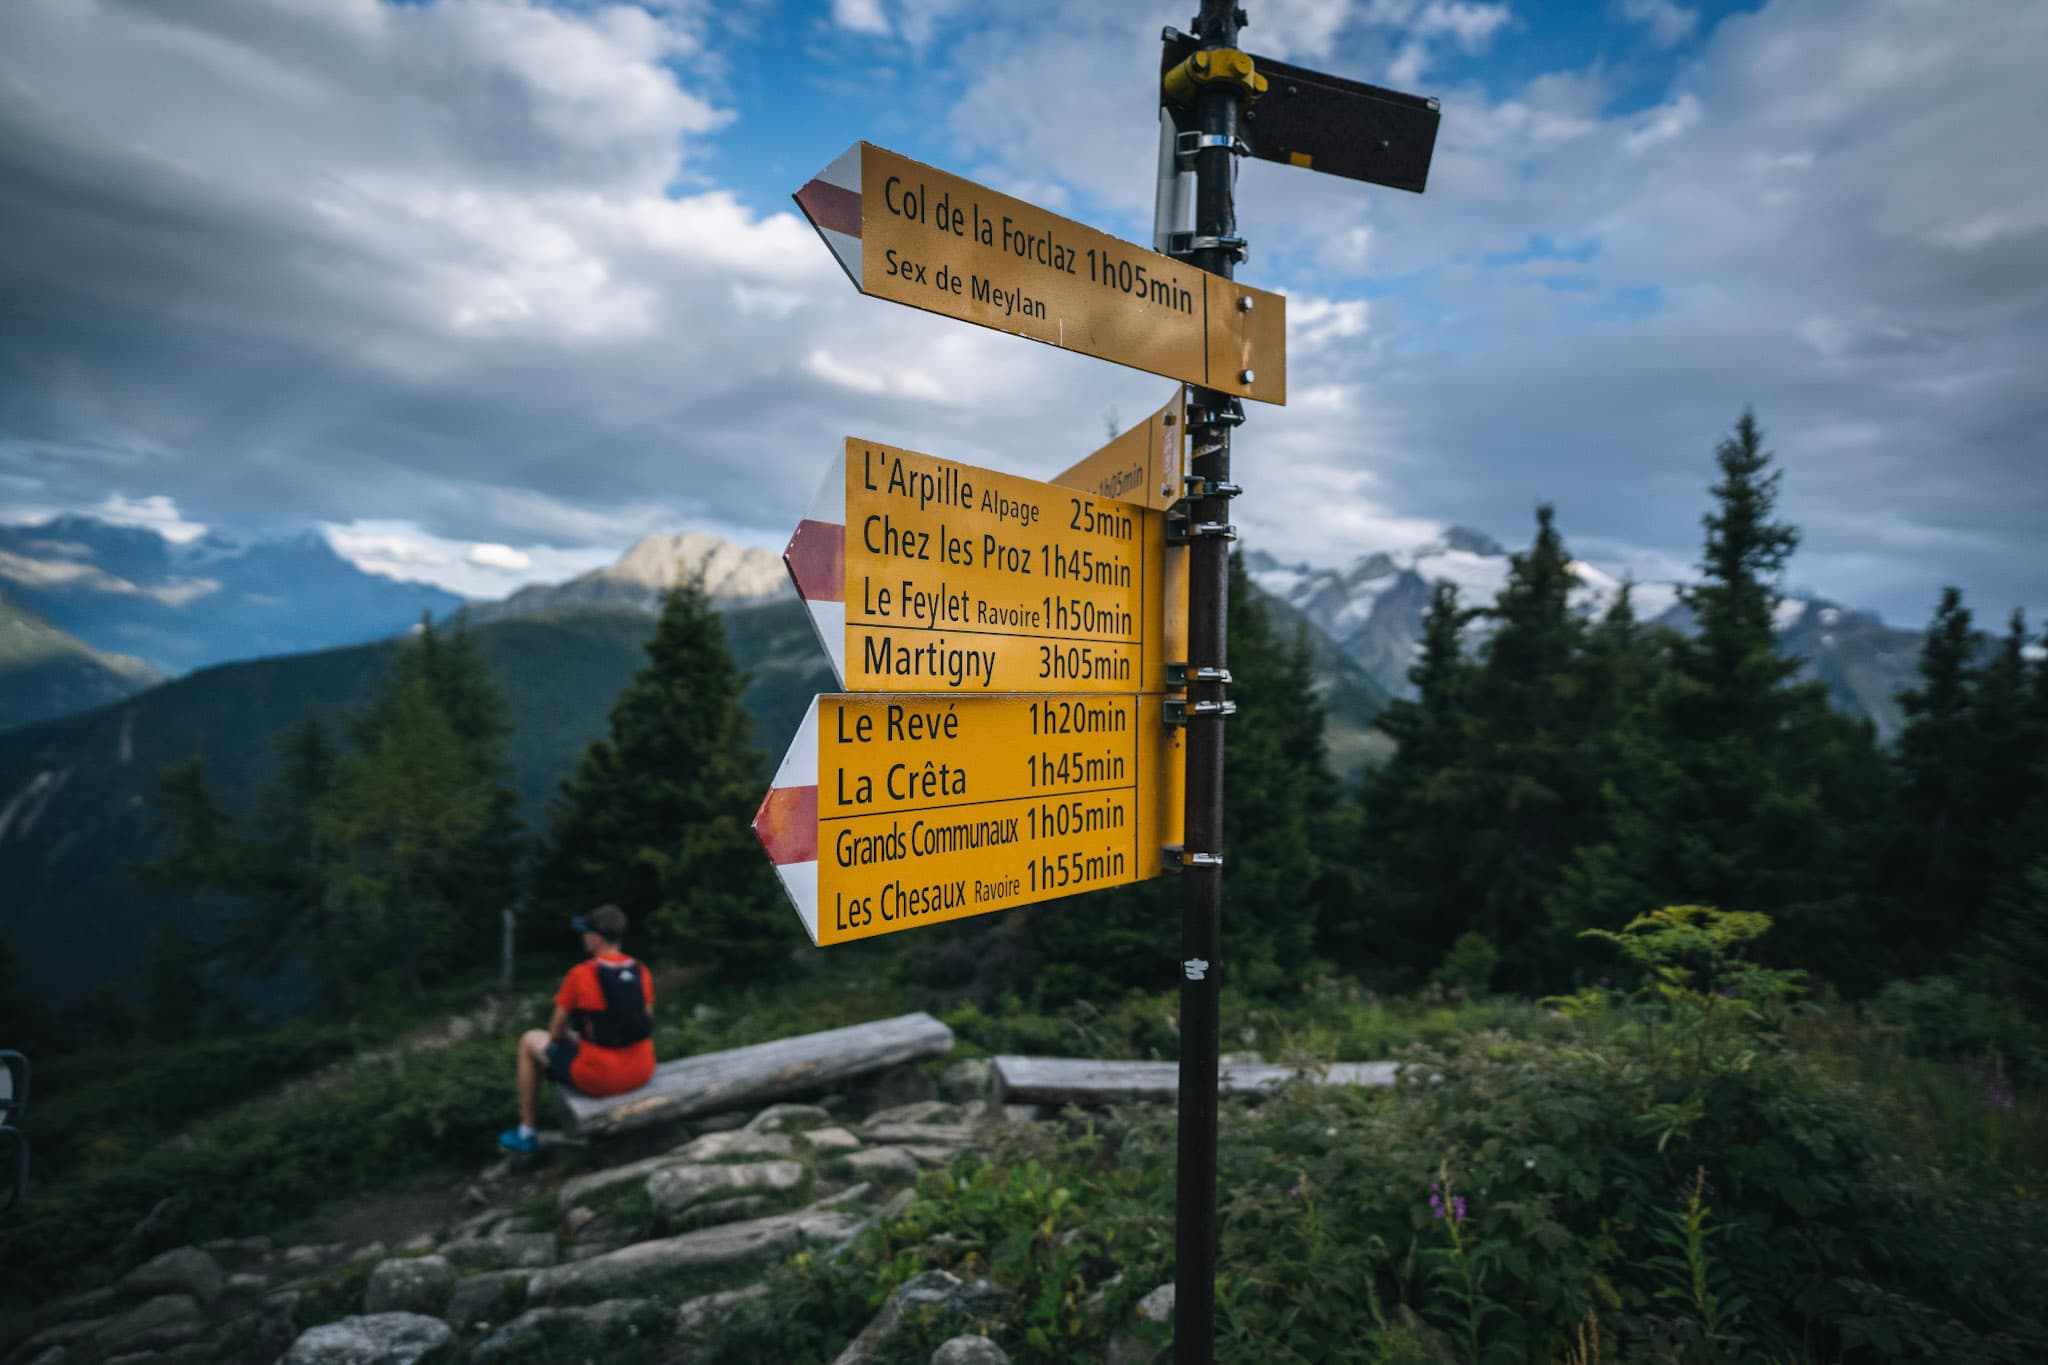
<point x="1145" y="465"/>
<point x="906" y="231"/>
<point x="928" y="575"/>
<point x="893" y="812"/>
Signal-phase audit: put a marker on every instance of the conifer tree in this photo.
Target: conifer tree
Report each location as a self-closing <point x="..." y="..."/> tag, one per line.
<point x="2016" y="938"/>
<point x="396" y="853"/>
<point x="479" y="876"/>
<point x="1741" y="789"/>
<point x="291" y="908"/>
<point x="1620" y="677"/>
<point x="2015" y="955"/>
<point x="1618" y="674"/>
<point x="174" y="989"/>
<point x="1530" y="792"/>
<point x="1280" y="796"/>
<point x="657" y="817"/>
<point x="1410" y="861"/>
<point x="402" y="823"/>
<point x="1934" y="852"/>
<point x="2010" y="757"/>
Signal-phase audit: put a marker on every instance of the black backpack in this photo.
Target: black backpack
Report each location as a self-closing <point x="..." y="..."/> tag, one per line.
<point x="624" y="1021"/>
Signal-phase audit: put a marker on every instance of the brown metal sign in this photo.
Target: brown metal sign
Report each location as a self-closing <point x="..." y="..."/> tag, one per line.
<point x="908" y="232"/>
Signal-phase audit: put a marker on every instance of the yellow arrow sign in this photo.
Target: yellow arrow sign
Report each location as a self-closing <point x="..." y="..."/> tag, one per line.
<point x="927" y="575"/>
<point x="893" y="812"/>
<point x="1145" y="465"/>
<point x="906" y="231"/>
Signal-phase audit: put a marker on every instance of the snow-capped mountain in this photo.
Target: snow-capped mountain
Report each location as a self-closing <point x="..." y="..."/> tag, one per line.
<point x="179" y="606"/>
<point x="733" y="575"/>
<point x="1373" y="609"/>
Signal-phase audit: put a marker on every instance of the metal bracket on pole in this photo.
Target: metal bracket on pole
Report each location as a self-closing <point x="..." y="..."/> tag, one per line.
<point x="1213" y="66"/>
<point x="1173" y="857"/>
<point x="1178" y="711"/>
<point x="1185" y="145"/>
<point x="1231" y="414"/>
<point x="1180" y="675"/>
<point x="1184" y="244"/>
<point x="1182" y="530"/>
<point x="1194" y="486"/>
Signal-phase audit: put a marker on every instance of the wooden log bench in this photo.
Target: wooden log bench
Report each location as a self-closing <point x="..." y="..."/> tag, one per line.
<point x="1069" y="1080"/>
<point x="744" y="1077"/>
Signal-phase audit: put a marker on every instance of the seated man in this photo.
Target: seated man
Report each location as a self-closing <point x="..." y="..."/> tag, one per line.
<point x="601" y="1039"/>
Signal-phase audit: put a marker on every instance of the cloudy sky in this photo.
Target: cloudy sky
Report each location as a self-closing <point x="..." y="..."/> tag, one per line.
<point x="490" y="288"/>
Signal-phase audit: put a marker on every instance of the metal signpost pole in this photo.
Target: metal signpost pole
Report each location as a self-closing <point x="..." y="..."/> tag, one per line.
<point x="1210" y="418"/>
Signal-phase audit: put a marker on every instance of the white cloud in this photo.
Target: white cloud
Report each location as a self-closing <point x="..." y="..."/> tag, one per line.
<point x="1667" y="22"/>
<point x="486" y="555"/>
<point x="1299" y="31"/>
<point x="158" y="512"/>
<point x="1663" y="123"/>
<point x="481" y="571"/>
<point x="1314" y="324"/>
<point x="895" y="380"/>
<point x="1408" y="65"/>
<point x="861" y="16"/>
<point x="1471" y="25"/>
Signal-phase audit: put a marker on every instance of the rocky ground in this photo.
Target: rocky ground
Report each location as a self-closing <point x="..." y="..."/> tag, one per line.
<point x="630" y="1249"/>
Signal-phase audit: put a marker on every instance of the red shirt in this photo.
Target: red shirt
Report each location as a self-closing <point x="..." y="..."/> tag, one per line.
<point x="605" y="1070"/>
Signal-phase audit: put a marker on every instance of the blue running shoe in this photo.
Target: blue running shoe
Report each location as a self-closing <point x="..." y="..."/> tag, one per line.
<point x="511" y="1141"/>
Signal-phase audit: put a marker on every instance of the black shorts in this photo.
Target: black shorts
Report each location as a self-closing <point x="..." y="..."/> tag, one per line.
<point x="561" y="1056"/>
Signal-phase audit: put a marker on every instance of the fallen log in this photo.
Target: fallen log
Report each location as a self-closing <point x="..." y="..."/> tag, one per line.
<point x="744" y="1077"/>
<point x="1070" y="1080"/>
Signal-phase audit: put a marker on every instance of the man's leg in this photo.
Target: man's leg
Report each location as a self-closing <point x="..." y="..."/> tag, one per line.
<point x="533" y="1064"/>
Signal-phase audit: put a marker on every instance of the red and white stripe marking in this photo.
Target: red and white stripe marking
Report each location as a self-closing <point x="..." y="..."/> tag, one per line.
<point x="816" y="560"/>
<point x="787" y="823"/>
<point x="831" y="200"/>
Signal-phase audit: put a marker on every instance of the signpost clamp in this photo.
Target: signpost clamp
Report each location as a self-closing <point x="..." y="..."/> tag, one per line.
<point x="1212" y="66"/>
<point x="1173" y="857"/>
<point x="1197" y="487"/>
<point x="1181" y="245"/>
<point x="1177" y="710"/>
<point x="1180" y="675"/>
<point x="1231" y="414"/>
<point x="1185" y="145"/>
<point x="1184" y="530"/>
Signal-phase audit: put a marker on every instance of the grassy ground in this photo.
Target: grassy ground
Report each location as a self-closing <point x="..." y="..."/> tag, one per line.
<point x="1797" y="1183"/>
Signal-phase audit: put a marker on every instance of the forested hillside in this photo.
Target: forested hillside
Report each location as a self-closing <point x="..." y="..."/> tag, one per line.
<point x="73" y="792"/>
<point x="46" y="672"/>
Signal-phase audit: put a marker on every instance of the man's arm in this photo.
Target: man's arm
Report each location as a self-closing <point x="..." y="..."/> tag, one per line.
<point x="558" y="1026"/>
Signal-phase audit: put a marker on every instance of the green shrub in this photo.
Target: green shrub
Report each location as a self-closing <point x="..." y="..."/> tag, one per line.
<point x="1468" y="966"/>
<point x="1660" y="1176"/>
<point x="1944" y="1017"/>
<point x="253" y="1169"/>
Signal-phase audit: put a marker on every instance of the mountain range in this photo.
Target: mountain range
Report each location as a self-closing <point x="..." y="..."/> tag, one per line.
<point x="1372" y="610"/>
<point x="95" y="611"/>
<point x="177" y="606"/>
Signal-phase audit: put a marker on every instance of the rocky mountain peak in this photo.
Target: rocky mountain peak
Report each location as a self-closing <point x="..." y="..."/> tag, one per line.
<point x="733" y="575"/>
<point x="729" y="571"/>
